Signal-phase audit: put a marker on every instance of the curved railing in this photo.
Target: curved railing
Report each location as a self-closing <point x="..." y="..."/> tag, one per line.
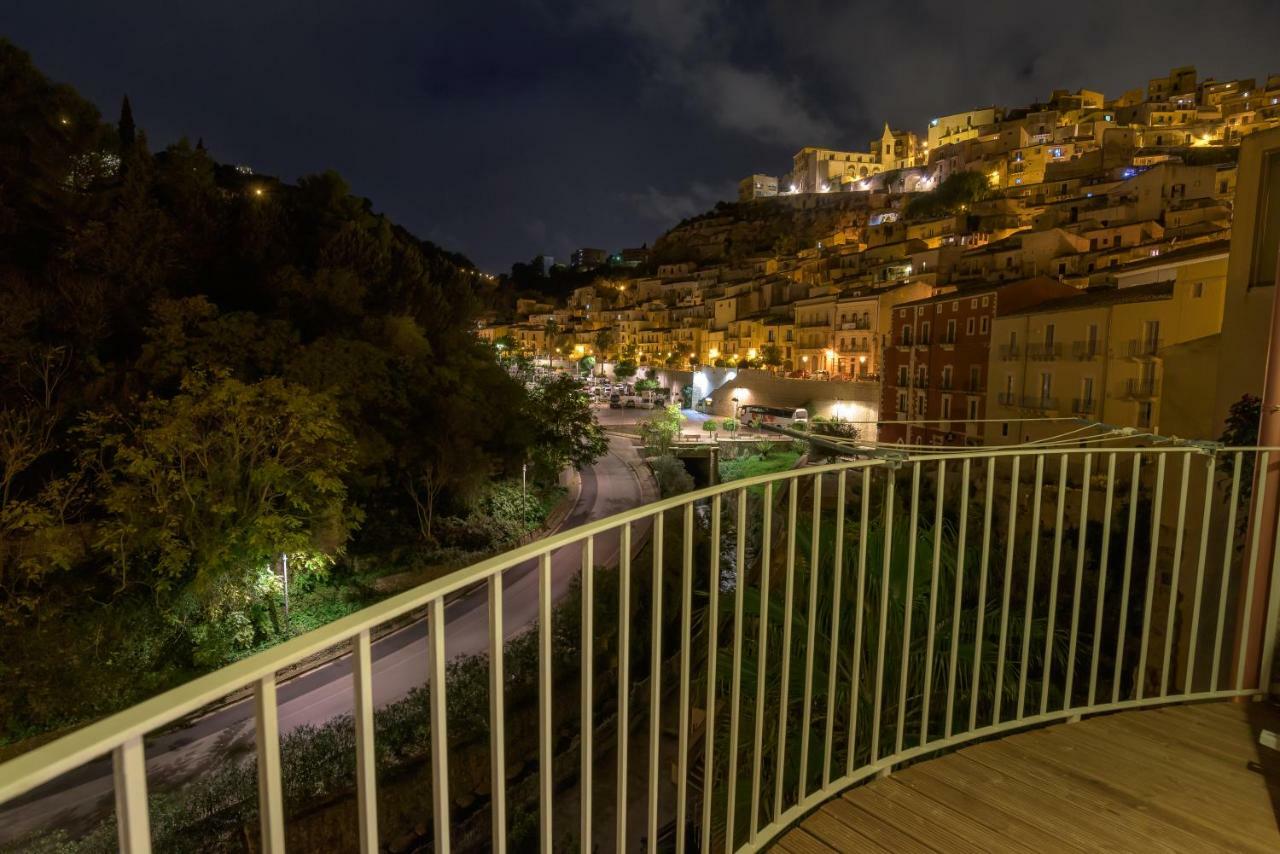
<point x="776" y="639"/>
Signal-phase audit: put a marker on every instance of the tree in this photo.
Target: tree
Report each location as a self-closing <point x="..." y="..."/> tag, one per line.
<point x="565" y="432"/>
<point x="955" y="193"/>
<point x="605" y="341"/>
<point x="771" y="355"/>
<point x="624" y="369"/>
<point x="661" y="430"/>
<point x="586" y="365"/>
<point x="710" y="426"/>
<point x="550" y="330"/>
<point x="126" y="129"/>
<point x="202" y="491"/>
<point x="730" y="426"/>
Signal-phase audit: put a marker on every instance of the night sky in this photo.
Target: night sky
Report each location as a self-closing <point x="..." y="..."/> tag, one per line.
<point x="504" y="130"/>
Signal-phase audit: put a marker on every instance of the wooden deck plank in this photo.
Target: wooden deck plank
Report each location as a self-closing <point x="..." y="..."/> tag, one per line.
<point x="883" y="834"/>
<point x="1178" y="750"/>
<point x="1000" y="823"/>
<point x="1079" y="792"/>
<point x="934" y="835"/>
<point x="1174" y="798"/>
<point x="1184" y="778"/>
<point x="918" y="808"/>
<point x="800" y="841"/>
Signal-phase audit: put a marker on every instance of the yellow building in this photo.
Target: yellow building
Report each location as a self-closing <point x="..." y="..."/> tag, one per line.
<point x="1103" y="356"/>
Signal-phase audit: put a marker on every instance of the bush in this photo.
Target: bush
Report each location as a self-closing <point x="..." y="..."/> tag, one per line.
<point x="673" y="478"/>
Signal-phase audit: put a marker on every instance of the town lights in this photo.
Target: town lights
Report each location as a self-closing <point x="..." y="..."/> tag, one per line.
<point x="713" y="352"/>
<point x="752" y="354"/>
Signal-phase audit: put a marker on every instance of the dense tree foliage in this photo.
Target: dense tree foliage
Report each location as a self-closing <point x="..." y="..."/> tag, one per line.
<point x="955" y="193"/>
<point x="203" y="369"/>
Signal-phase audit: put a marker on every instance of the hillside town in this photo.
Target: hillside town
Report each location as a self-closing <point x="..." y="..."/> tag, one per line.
<point x="974" y="282"/>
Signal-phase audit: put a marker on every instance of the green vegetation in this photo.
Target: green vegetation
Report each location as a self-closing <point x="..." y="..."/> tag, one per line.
<point x="752" y="465"/>
<point x="205" y="374"/>
<point x="954" y="194"/>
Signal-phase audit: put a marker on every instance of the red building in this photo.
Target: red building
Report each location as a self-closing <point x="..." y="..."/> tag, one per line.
<point x="934" y="383"/>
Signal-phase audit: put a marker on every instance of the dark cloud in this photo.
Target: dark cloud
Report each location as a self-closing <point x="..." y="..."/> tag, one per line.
<point x="508" y="129"/>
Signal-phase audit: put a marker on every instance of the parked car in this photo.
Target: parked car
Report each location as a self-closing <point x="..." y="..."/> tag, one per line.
<point x="615" y="401"/>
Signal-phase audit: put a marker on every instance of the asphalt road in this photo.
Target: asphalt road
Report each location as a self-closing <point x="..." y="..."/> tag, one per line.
<point x="80" y="797"/>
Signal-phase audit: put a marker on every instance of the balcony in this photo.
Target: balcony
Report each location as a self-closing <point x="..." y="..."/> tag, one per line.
<point x="855" y="325"/>
<point x="1144" y="348"/>
<point x="1141" y="388"/>
<point x="1040" y="403"/>
<point x="1009" y="398"/>
<point x="1044" y="352"/>
<point x="1083" y="406"/>
<point x="948" y="342"/>
<point x="637" y="670"/>
<point x="1009" y="352"/>
<point x="1086" y="351"/>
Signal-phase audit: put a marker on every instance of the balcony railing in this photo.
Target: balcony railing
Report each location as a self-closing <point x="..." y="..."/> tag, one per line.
<point x="1085" y="351"/>
<point x="1009" y="398"/>
<point x="1009" y="352"/>
<point x="1042" y="352"/>
<point x="1144" y="348"/>
<point x="780" y="638"/>
<point x="1141" y="388"/>
<point x="1083" y="406"/>
<point x="1040" y="403"/>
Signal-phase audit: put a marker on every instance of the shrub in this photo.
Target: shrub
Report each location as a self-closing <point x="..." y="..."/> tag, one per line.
<point x="673" y="478"/>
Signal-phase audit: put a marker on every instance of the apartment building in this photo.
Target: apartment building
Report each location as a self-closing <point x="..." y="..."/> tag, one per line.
<point x="936" y="374"/>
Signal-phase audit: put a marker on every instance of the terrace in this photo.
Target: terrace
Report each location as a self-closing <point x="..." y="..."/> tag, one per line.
<point x="981" y="650"/>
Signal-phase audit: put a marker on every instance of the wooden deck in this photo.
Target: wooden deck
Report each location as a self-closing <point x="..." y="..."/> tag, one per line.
<point x="1182" y="778"/>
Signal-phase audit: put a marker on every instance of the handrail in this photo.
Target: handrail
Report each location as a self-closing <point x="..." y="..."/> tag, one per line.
<point x="1065" y="486"/>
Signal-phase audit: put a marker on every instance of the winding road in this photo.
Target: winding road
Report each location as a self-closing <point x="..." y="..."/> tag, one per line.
<point x="75" y="800"/>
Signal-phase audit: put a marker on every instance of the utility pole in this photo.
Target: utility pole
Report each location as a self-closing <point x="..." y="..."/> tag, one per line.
<point x="284" y="565"/>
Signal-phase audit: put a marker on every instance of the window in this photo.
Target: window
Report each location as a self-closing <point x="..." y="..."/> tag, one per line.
<point x="1004" y="428"/>
<point x="975" y="378"/>
<point x="946" y="406"/>
<point x="902" y="375"/>
<point x="1046" y="386"/>
<point x="984" y="301"/>
<point x="1048" y="334"/>
<point x="1086" y="389"/>
<point x="973" y="409"/>
<point x="955" y="305"/>
<point x="973" y="303"/>
<point x="906" y="336"/>
<point x="951" y="333"/>
<point x="946" y="376"/>
<point x="971" y="325"/>
<point x="902" y="401"/>
<point x="985" y="325"/>
<point x="1197" y="290"/>
<point x="924" y="332"/>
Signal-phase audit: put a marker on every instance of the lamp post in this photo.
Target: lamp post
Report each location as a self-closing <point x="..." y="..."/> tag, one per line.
<point x="804" y="360"/>
<point x="734" y="401"/>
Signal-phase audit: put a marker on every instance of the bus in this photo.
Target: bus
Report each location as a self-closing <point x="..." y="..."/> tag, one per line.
<point x="774" y="416"/>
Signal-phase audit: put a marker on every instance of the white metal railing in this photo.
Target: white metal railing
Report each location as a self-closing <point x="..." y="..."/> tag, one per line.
<point x="1036" y="586"/>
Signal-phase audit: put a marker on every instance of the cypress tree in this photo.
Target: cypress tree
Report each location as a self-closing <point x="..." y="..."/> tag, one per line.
<point x="126" y="128"/>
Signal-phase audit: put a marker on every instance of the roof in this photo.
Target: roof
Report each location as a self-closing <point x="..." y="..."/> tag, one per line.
<point x="975" y="289"/>
<point x="1099" y="297"/>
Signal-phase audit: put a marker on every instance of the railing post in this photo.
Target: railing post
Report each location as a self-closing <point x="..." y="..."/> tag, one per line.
<point x="588" y="690"/>
<point x="624" y="681"/>
<point x="546" y="761"/>
<point x="497" y="716"/>
<point x="129" y="767"/>
<point x="439" y="728"/>
<point x="366" y="774"/>
<point x="267" y="738"/>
